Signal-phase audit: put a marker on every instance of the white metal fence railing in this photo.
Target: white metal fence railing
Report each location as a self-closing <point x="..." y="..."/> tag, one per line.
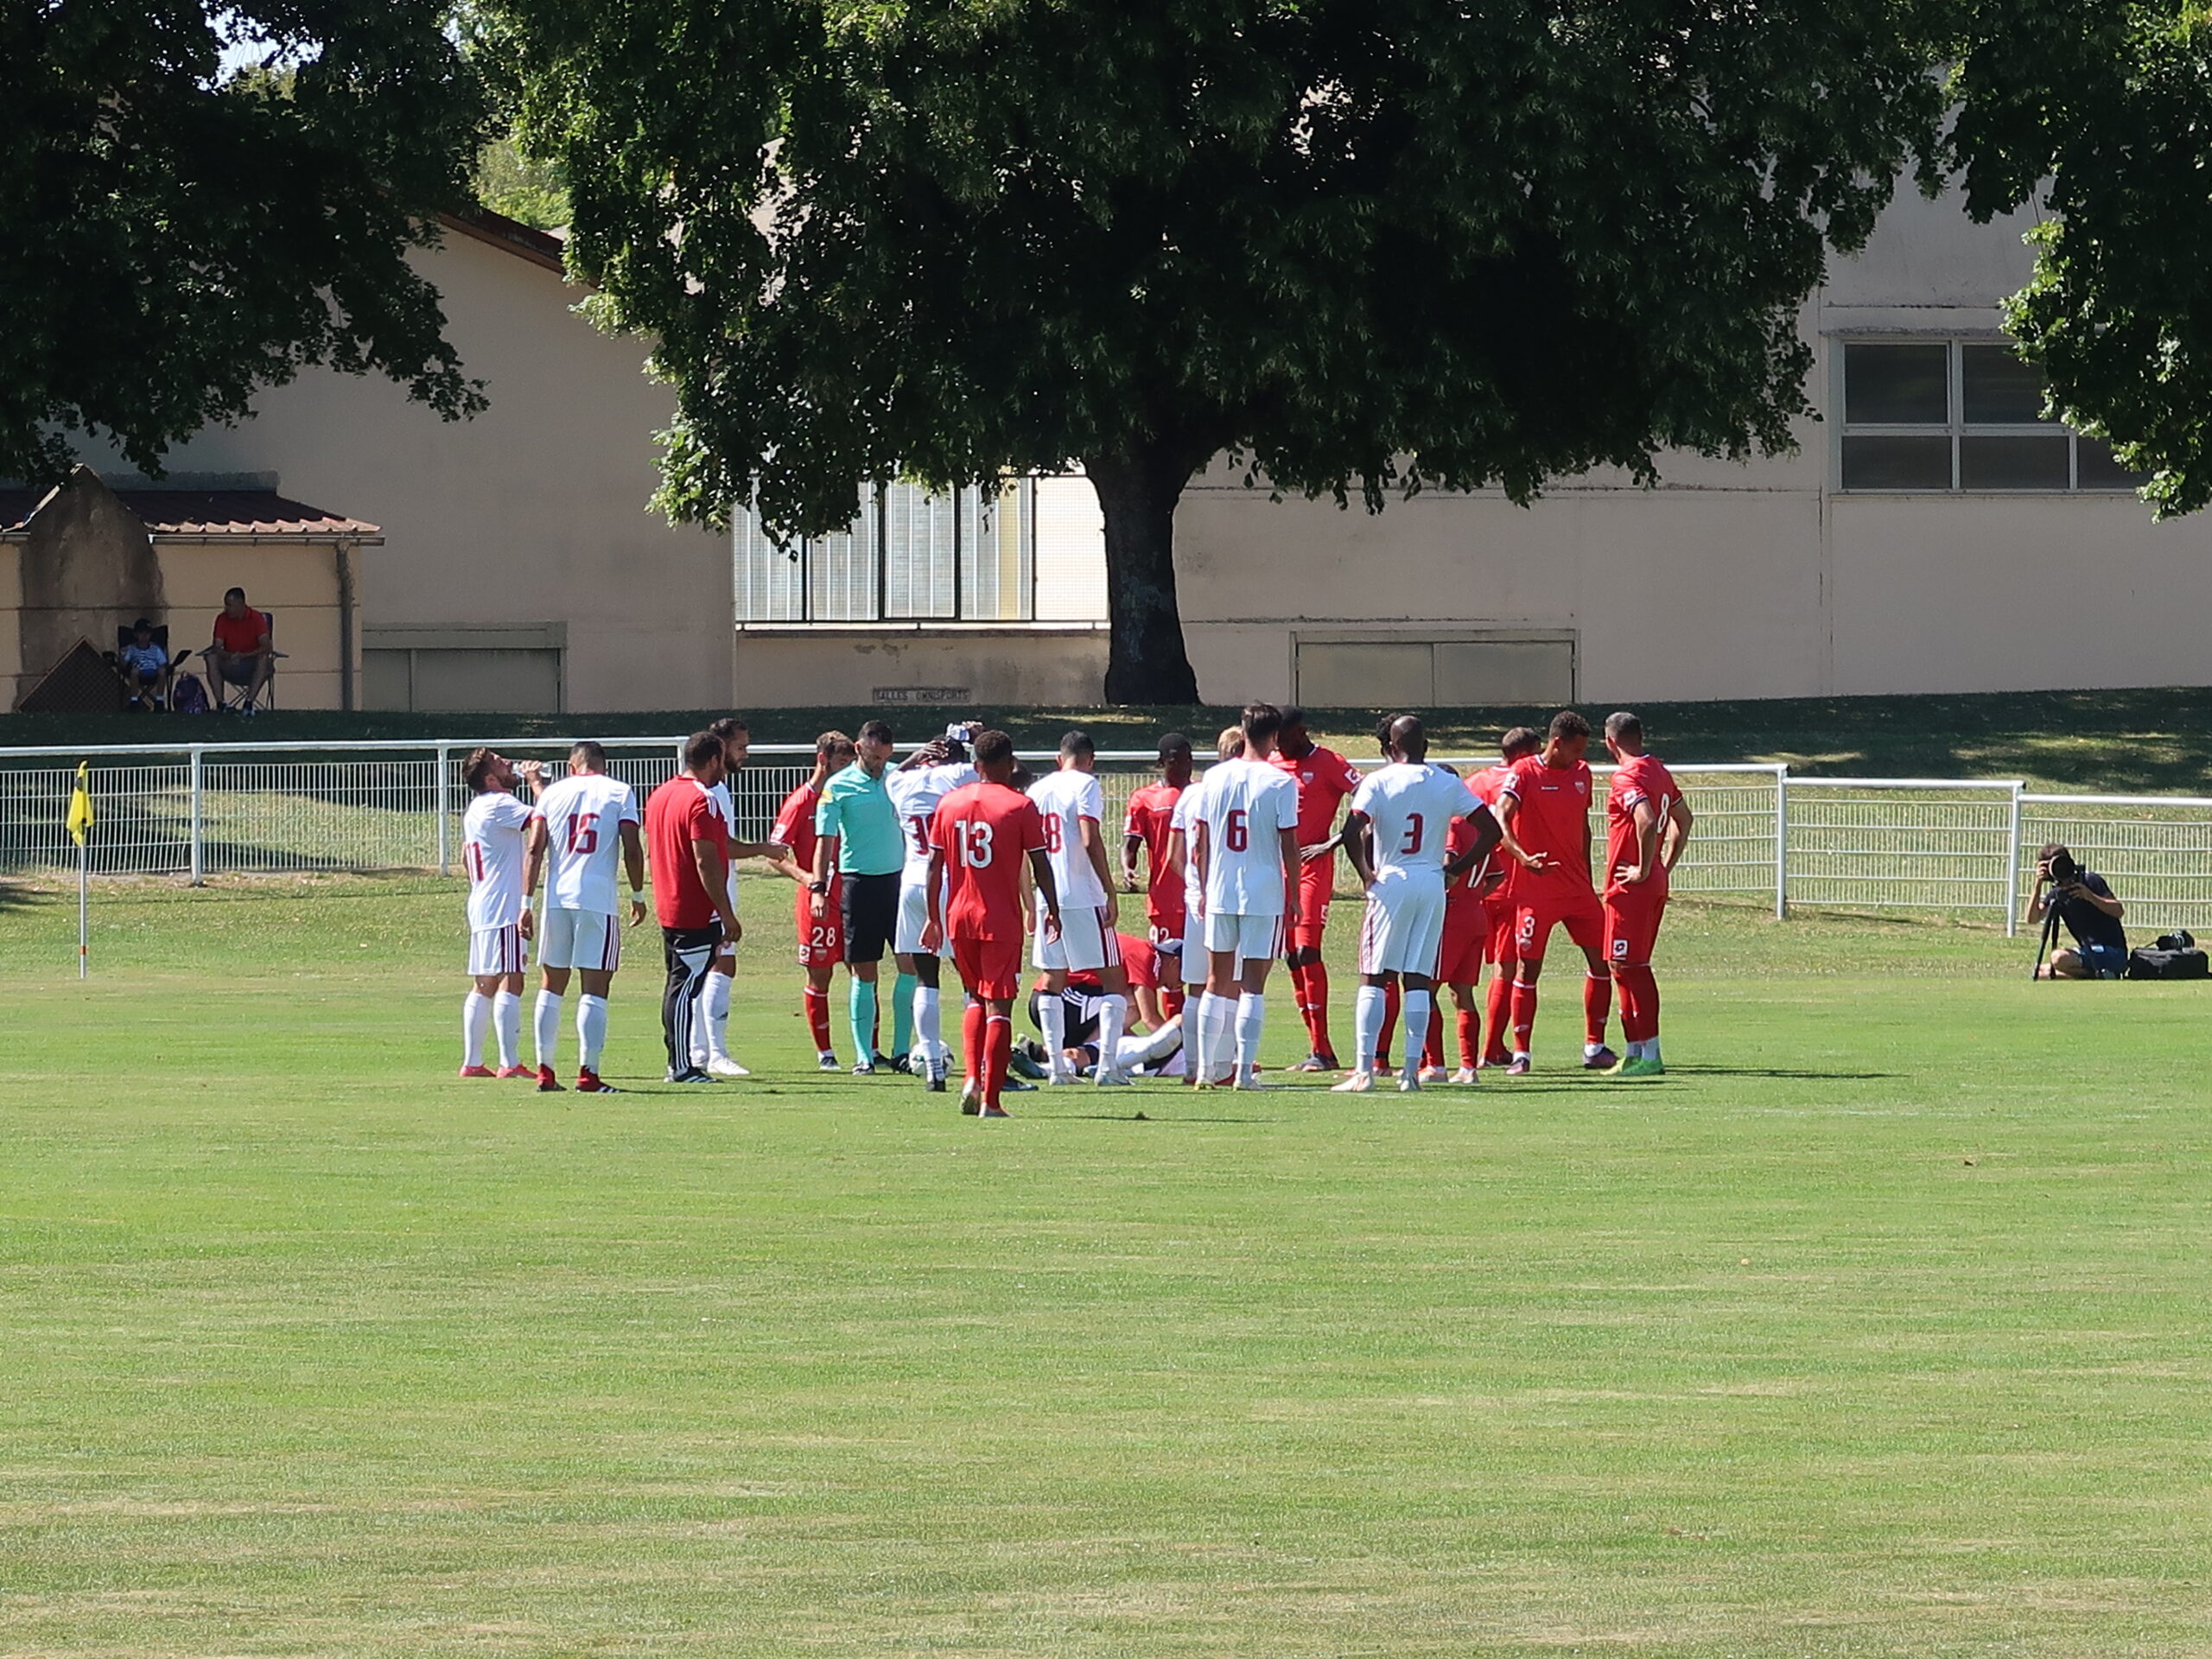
<point x="1763" y="835"/>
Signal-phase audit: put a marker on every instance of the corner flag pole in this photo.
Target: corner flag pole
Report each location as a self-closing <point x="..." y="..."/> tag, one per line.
<point x="80" y="823"/>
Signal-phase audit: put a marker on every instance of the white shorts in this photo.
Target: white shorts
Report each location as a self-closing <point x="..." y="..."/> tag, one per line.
<point x="727" y="950"/>
<point x="1403" y="929"/>
<point x="496" y="950"/>
<point x="1254" y="938"/>
<point x="914" y="916"/>
<point x="578" y="938"/>
<point x="1087" y="942"/>
<point x="1194" y="941"/>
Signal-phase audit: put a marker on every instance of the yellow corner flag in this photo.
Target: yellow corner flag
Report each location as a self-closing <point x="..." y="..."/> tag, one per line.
<point x="80" y="805"/>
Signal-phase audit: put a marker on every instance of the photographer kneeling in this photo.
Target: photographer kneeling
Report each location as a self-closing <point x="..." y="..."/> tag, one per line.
<point x="2086" y="906"/>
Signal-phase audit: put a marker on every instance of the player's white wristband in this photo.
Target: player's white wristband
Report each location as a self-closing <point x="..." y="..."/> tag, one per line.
<point x="637" y="895"/>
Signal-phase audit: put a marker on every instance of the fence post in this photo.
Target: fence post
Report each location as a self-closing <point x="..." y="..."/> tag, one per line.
<point x="1782" y="841"/>
<point x="198" y="836"/>
<point x="2012" y="868"/>
<point x="445" y="769"/>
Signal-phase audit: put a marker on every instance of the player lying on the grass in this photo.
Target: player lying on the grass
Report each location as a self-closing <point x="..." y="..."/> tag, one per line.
<point x="1647" y="823"/>
<point x="1325" y="781"/>
<point x="1197" y="964"/>
<point x="821" y="938"/>
<point x="1154" y="1041"/>
<point x="1149" y="829"/>
<point x="1073" y="805"/>
<point x="710" y="1021"/>
<point x="856" y="824"/>
<point x="1544" y="808"/>
<point x="1397" y="837"/>
<point x="1245" y="845"/>
<point x="582" y="824"/>
<point x="985" y="834"/>
<point x="494" y="843"/>
<point x="917" y="788"/>
<point x="689" y="842"/>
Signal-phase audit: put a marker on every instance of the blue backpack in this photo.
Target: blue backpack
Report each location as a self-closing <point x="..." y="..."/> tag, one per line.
<point x="187" y="695"/>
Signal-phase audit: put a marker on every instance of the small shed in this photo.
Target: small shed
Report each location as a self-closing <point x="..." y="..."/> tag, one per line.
<point x="80" y="560"/>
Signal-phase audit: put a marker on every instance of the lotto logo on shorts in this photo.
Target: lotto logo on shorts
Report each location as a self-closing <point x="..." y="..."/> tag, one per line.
<point x="1620" y="949"/>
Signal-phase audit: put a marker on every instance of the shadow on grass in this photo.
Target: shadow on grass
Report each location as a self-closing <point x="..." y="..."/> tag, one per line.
<point x="1780" y="1071"/>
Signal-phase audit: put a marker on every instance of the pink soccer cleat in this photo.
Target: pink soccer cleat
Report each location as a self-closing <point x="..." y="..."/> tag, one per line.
<point x="478" y="1071"/>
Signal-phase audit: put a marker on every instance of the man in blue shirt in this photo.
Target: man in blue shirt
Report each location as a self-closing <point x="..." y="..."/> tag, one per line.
<point x="2090" y="912"/>
<point x="857" y="811"/>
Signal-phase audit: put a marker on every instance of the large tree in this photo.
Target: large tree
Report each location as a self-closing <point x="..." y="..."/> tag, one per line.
<point x="179" y="228"/>
<point x="2099" y="111"/>
<point x="1359" y="247"/>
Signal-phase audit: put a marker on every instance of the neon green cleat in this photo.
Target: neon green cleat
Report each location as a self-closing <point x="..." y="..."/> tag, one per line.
<point x="1641" y="1068"/>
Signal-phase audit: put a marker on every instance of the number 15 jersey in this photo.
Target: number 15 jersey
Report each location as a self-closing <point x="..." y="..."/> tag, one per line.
<point x="1411" y="809"/>
<point x="986" y="832"/>
<point x="584" y="814"/>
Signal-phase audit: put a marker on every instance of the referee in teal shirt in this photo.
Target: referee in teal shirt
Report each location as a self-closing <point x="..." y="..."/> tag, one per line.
<point x="856" y="809"/>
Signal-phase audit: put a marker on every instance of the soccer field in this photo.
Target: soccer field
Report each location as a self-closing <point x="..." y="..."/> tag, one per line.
<point x="1878" y="1326"/>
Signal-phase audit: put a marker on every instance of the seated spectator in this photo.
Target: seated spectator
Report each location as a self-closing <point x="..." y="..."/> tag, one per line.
<point x="144" y="664"/>
<point x="242" y="653"/>
<point x="2086" y="904"/>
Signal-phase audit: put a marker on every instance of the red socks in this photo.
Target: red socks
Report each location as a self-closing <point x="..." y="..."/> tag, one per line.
<point x="1501" y="1006"/>
<point x="1639" y="1003"/>
<point x="1390" y="1001"/>
<point x="971" y="1044"/>
<point x="1312" y="985"/>
<point x="1432" y="1049"/>
<point x="1524" y="1015"/>
<point x="1171" y="1001"/>
<point x="817" y="1004"/>
<point x="998" y="1049"/>
<point x="1597" y="1005"/>
<point x="1470" y="1033"/>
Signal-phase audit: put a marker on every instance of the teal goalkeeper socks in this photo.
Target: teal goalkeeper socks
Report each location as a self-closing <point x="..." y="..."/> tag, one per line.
<point x="902" y="1014"/>
<point x="863" y="1012"/>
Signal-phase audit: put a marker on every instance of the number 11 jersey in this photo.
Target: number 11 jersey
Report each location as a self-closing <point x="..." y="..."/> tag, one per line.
<point x="987" y="832"/>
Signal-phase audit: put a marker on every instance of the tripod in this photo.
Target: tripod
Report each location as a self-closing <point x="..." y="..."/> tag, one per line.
<point x="2049" y="938"/>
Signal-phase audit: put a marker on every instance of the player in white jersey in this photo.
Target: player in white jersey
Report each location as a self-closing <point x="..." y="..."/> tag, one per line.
<point x="1401" y="817"/>
<point x="494" y="835"/>
<point x="917" y="788"/>
<point x="1197" y="964"/>
<point x="583" y="823"/>
<point x="710" y="1023"/>
<point x="1073" y="805"/>
<point x="1246" y="849"/>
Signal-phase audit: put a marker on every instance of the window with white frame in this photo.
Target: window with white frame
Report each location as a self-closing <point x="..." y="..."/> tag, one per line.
<point x="1033" y="551"/>
<point x="1923" y="416"/>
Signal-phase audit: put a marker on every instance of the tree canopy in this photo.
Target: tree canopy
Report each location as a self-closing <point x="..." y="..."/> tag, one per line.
<point x="1362" y="246"/>
<point x="175" y="234"/>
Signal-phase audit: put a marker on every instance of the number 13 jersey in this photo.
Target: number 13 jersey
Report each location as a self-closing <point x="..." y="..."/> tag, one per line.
<point x="584" y="815"/>
<point x="987" y="832"/>
<point x="1411" y="809"/>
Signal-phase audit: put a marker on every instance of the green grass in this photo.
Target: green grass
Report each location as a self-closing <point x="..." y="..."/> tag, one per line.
<point x="1879" y="1327"/>
<point x="2155" y="740"/>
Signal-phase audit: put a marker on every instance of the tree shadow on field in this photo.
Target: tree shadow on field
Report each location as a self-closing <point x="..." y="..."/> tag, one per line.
<point x="16" y="895"/>
<point x="1780" y="1071"/>
<point x="1146" y="1118"/>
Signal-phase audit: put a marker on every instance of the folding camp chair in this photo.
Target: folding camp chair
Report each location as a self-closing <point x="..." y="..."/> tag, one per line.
<point x="135" y="692"/>
<point x="231" y="699"/>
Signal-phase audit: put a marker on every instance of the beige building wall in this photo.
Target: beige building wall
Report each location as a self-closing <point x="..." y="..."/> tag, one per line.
<point x="530" y="520"/>
<point x="298" y="586"/>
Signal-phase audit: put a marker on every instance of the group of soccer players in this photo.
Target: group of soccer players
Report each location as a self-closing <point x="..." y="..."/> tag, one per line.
<point x="958" y="852"/>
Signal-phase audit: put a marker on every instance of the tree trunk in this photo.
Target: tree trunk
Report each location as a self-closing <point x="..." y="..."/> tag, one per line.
<point x="1145" y="659"/>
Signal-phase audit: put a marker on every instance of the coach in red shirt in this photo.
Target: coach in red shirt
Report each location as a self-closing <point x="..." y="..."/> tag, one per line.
<point x="687" y="844"/>
<point x="242" y="652"/>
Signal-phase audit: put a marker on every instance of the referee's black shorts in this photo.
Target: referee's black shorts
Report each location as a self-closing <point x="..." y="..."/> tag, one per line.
<point x="870" y="909"/>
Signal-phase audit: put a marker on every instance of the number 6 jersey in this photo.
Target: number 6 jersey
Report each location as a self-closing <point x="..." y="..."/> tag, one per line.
<point x="987" y="832"/>
<point x="584" y="814"/>
<point x="1247" y="806"/>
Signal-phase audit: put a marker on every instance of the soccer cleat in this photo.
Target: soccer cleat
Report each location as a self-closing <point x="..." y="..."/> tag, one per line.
<point x="517" y="1071"/>
<point x="1360" y="1083"/>
<point x="1251" y="1085"/>
<point x="989" y="1110"/>
<point x="1409" y="1085"/>
<point x="863" y="1069"/>
<point x="1016" y="1086"/>
<point x="1434" y="1074"/>
<point x="588" y="1083"/>
<point x="1465" y="1074"/>
<point x="1495" y="1062"/>
<point x="1108" y="1078"/>
<point x="1022" y="1066"/>
<point x="1643" y="1068"/>
<point x="904" y="1064"/>
<point x="721" y="1066"/>
<point x="884" y="1063"/>
<point x="1518" y="1066"/>
<point x="690" y="1074"/>
<point x="1317" y="1061"/>
<point x="478" y="1071"/>
<point x="971" y="1101"/>
<point x="547" y="1083"/>
<point x="825" y="1061"/>
<point x="1604" y="1060"/>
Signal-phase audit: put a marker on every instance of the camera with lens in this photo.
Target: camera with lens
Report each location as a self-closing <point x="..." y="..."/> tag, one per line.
<point x="2060" y="869"/>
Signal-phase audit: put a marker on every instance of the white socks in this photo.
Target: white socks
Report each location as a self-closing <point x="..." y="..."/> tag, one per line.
<point x="591" y="1030"/>
<point x="1251" y="1021"/>
<point x="1113" y="1014"/>
<point x="1053" y="1015"/>
<point x="710" y="1033"/>
<point x="506" y="1020"/>
<point x="1149" y="1050"/>
<point x="929" y="1031"/>
<point x="1416" y="1016"/>
<point x="1367" y="1011"/>
<point x="475" y="1023"/>
<point x="545" y="1024"/>
<point x="1213" y="1050"/>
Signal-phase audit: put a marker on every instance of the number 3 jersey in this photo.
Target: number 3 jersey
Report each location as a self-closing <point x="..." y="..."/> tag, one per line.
<point x="492" y="845"/>
<point x="987" y="832"/>
<point x="584" y="815"/>
<point x="1411" y="809"/>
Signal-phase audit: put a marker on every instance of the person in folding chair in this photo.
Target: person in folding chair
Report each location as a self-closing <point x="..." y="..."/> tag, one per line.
<point x="241" y="659"/>
<point x="141" y="659"/>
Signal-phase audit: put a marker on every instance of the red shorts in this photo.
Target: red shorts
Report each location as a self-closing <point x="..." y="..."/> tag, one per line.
<point x="1316" y="882"/>
<point x="1632" y="917"/>
<point x="1539" y="912"/>
<point x="821" y="943"/>
<point x="1167" y="921"/>
<point x="1500" y="947"/>
<point x="990" y="969"/>
<point x="1466" y="931"/>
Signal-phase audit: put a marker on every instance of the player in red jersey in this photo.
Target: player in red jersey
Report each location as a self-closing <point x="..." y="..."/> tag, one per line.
<point x="1646" y="824"/>
<point x="1545" y="807"/>
<point x="821" y="939"/>
<point x="1325" y="781"/>
<point x="1497" y="902"/>
<point x="978" y="842"/>
<point x="1150" y="824"/>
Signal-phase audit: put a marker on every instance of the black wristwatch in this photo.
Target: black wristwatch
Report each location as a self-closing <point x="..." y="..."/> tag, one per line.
<point x="818" y="886"/>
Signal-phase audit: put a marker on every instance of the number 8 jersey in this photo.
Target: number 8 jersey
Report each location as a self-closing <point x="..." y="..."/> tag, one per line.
<point x="584" y="814"/>
<point x="986" y="832"/>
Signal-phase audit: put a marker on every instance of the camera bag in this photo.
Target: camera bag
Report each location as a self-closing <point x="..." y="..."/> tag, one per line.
<point x="2180" y="962"/>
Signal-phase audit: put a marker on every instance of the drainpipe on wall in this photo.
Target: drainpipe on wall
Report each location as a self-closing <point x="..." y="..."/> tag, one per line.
<point x="344" y="550"/>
